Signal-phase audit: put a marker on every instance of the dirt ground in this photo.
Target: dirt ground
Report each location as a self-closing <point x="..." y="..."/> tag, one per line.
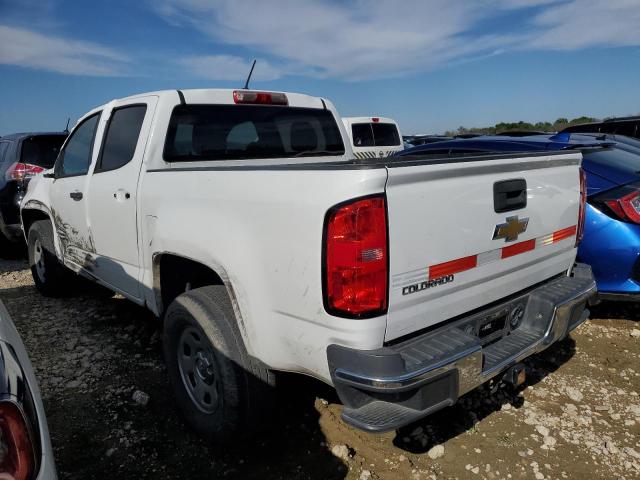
<point x="578" y="417"/>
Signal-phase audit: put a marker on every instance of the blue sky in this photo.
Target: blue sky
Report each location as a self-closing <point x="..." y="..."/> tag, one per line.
<point x="433" y="65"/>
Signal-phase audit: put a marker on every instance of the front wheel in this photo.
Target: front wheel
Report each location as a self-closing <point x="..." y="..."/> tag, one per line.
<point x="222" y="392"/>
<point x="49" y="275"/>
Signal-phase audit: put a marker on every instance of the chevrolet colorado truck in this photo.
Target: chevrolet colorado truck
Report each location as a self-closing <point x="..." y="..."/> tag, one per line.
<point x="243" y="221"/>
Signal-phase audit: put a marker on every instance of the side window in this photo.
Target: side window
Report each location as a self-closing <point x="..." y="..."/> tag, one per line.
<point x="362" y="135"/>
<point x="76" y="156"/>
<point x="608" y="127"/>
<point x="121" y="137"/>
<point x="625" y="128"/>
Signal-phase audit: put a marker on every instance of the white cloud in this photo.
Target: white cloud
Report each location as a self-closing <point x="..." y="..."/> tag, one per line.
<point x="588" y="23"/>
<point x="25" y="48"/>
<point x="228" y="67"/>
<point x="362" y="39"/>
<point x="368" y="39"/>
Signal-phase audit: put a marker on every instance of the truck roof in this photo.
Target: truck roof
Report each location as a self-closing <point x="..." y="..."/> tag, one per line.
<point x="368" y="120"/>
<point x="225" y="96"/>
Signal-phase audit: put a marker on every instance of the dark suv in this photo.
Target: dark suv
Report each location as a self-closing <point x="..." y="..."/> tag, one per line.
<point x="22" y="155"/>
<point x="629" y="126"/>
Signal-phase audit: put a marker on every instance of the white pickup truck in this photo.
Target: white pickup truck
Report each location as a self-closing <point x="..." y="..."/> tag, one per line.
<point x="242" y="220"/>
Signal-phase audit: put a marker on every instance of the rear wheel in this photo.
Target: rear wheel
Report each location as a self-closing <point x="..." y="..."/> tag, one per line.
<point x="49" y="275"/>
<point x="221" y="391"/>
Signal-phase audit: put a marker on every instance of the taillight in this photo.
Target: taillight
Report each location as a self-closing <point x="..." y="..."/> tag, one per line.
<point x="583" y="207"/>
<point x="622" y="203"/>
<point x="259" y="98"/>
<point x="16" y="452"/>
<point x="356" y="258"/>
<point x="627" y="208"/>
<point x="20" y="171"/>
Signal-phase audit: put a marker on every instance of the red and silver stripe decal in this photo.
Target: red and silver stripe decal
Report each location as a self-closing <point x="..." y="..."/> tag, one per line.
<point x="467" y="263"/>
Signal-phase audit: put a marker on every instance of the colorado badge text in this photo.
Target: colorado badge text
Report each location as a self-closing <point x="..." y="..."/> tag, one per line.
<point x="427" y="284"/>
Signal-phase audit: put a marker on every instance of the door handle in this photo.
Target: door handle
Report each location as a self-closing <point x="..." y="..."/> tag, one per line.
<point x="120" y="195"/>
<point x="77" y="196"/>
<point x="509" y="195"/>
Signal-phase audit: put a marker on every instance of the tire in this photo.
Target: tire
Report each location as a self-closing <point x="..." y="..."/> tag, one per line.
<point x="222" y="392"/>
<point x="49" y="275"/>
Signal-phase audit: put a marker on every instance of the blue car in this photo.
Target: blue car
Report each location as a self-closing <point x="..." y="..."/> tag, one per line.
<point x="611" y="243"/>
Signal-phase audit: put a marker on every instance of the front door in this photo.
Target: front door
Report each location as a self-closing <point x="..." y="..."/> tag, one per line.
<point x="113" y="194"/>
<point x="68" y="195"/>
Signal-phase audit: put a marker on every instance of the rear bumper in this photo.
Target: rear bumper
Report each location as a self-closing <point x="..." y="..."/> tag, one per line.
<point x="612" y="248"/>
<point x="393" y="386"/>
<point x="10" y="213"/>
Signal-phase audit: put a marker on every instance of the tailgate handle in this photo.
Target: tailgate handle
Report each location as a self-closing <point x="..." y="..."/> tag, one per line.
<point x="509" y="195"/>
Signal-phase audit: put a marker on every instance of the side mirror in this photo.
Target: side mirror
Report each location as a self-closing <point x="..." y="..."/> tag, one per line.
<point x="49" y="175"/>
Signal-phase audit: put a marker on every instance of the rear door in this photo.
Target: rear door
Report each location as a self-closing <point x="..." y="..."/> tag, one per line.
<point x="68" y="191"/>
<point x="468" y="233"/>
<point x="113" y="189"/>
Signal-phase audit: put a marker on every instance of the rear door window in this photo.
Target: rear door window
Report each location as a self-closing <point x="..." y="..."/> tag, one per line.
<point x="232" y="132"/>
<point x="121" y="137"/>
<point x="41" y="150"/>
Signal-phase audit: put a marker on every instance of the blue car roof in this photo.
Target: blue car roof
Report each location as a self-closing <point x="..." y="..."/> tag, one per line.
<point x="495" y="143"/>
<point x="608" y="160"/>
<point x="19" y="136"/>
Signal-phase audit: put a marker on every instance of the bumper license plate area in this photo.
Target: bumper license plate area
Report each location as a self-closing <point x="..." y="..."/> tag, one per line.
<point x="494" y="324"/>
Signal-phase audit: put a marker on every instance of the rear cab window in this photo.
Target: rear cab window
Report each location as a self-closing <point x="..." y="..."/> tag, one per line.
<point x="385" y="134"/>
<point x="362" y="135"/>
<point x="375" y="135"/>
<point x="234" y="132"/>
<point x="41" y="150"/>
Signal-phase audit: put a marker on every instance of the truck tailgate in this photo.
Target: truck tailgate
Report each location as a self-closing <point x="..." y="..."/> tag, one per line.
<point x="450" y="252"/>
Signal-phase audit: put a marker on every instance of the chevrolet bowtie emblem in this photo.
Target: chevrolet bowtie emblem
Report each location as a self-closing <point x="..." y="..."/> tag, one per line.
<point x="511" y="229"/>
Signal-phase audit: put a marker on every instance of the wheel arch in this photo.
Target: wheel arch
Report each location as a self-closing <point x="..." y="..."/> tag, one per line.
<point x="32" y="212"/>
<point x="181" y="273"/>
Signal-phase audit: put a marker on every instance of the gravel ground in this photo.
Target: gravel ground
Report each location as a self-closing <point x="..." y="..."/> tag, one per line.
<point x="99" y="362"/>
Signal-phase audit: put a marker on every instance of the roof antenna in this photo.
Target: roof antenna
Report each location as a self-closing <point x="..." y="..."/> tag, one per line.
<point x="66" y="129"/>
<point x="246" y="84"/>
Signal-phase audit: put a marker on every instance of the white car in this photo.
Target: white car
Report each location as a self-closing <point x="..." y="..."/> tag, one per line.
<point x="242" y="219"/>
<point x="25" y="447"/>
<point x="373" y="137"/>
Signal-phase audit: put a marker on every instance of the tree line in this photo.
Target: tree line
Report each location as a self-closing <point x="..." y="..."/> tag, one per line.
<point x="556" y="126"/>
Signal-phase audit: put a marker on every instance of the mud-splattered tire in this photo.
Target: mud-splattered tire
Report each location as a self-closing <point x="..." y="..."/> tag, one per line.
<point x="52" y="279"/>
<point x="222" y="392"/>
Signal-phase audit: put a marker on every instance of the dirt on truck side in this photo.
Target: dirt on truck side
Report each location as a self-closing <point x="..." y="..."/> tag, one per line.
<point x="98" y="359"/>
